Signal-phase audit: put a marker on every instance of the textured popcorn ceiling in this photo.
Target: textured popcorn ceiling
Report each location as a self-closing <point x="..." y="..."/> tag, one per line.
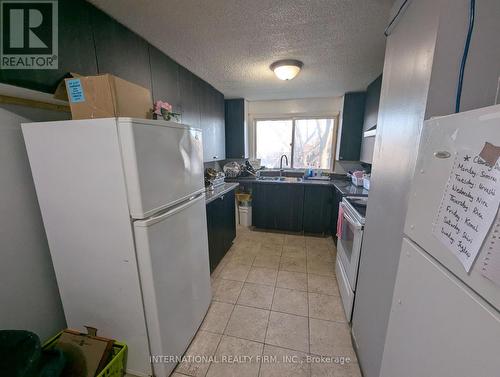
<point x="231" y="43"/>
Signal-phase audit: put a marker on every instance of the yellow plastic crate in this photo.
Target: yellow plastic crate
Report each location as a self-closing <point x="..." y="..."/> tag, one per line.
<point x="115" y="367"/>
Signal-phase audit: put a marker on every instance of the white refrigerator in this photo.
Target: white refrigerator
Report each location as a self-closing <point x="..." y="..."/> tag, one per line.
<point x="445" y="318"/>
<point x="123" y="206"/>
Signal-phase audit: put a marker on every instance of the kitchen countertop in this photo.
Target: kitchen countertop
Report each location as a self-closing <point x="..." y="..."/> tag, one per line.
<point x="344" y="186"/>
<point x="219" y="191"/>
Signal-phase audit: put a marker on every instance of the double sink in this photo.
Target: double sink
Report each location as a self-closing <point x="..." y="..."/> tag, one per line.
<point x="280" y="176"/>
<point x="280" y="179"/>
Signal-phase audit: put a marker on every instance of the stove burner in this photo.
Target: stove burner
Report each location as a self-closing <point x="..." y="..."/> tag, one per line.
<point x="359" y="204"/>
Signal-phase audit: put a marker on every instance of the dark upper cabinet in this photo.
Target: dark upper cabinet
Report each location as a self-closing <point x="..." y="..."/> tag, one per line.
<point x="372" y="103"/>
<point x="352" y="126"/>
<point x="91" y="42"/>
<point x="120" y="51"/>
<point x="236" y="128"/>
<point x="318" y="202"/>
<point x="190" y="95"/>
<point x="76" y="50"/>
<point x="370" y="121"/>
<point x="219" y="123"/>
<point x="207" y="123"/>
<point x="212" y="123"/>
<point x="164" y="78"/>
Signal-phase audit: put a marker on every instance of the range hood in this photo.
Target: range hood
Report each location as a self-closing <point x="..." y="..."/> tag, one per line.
<point x="372" y="131"/>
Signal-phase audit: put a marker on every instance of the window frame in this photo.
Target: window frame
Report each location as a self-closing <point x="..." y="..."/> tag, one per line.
<point x="335" y="119"/>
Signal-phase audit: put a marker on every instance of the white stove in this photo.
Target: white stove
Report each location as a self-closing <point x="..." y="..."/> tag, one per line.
<point x="350" y="238"/>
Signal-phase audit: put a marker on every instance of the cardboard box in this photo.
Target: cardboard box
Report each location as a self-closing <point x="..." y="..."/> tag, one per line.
<point x="104" y="96"/>
<point x="85" y="355"/>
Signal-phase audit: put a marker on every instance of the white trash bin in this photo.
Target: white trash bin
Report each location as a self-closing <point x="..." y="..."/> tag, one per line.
<point x="245" y="216"/>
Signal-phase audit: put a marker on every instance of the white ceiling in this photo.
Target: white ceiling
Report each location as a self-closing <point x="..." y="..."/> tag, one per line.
<point x="231" y="43"/>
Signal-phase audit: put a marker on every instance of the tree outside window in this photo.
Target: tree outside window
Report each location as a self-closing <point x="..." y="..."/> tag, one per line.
<point x="309" y="141"/>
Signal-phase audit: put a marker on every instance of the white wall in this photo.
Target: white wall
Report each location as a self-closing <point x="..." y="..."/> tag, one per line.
<point x="29" y="296"/>
<point x="327" y="106"/>
<point x="295" y="107"/>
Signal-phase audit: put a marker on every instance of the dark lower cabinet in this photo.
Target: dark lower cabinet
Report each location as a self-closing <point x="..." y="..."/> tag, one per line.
<point x="318" y="202"/>
<point x="294" y="208"/>
<point x="221" y="227"/>
<point x="278" y="206"/>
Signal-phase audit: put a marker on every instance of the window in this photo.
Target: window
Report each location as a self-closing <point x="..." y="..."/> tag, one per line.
<point x="274" y="139"/>
<point x="308" y="143"/>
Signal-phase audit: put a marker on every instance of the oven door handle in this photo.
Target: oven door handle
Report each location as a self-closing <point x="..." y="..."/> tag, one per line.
<point x="353" y="222"/>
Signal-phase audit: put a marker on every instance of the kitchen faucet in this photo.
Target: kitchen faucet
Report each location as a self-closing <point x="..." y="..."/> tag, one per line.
<point x="281" y="163"/>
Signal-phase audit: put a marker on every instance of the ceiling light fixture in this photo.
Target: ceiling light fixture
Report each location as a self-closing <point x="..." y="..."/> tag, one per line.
<point x="286" y="69"/>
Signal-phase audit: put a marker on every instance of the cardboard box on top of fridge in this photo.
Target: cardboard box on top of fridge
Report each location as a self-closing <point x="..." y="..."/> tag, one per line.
<point x="104" y="96"/>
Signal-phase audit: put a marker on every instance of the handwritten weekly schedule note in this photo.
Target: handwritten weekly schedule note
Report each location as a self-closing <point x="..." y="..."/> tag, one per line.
<point x="468" y="207"/>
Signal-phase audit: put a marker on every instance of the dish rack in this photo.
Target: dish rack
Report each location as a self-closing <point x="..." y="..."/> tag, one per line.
<point x="216" y="182"/>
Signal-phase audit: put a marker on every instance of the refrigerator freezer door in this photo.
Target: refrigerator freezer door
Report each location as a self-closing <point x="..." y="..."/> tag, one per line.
<point x="449" y="134"/>
<point x="163" y="164"/>
<point x="79" y="181"/>
<point x="438" y="326"/>
<point x="172" y="253"/>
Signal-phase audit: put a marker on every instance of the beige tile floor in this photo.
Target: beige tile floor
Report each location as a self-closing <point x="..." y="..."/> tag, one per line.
<point x="276" y="302"/>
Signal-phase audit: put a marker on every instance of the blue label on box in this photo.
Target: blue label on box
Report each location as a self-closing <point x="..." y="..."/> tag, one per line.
<point x="75" y="90"/>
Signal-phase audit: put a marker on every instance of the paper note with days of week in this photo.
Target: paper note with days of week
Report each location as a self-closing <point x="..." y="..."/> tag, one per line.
<point x="491" y="253"/>
<point x="468" y="207"/>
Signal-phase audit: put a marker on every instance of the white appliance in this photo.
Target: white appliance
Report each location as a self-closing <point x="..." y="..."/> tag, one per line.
<point x="123" y="206"/>
<point x="444" y="320"/>
<point x="350" y="239"/>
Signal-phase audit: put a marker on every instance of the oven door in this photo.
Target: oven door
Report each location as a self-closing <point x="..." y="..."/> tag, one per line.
<point x="349" y="245"/>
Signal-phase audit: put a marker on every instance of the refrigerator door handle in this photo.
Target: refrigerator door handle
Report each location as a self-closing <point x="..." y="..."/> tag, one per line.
<point x="163" y="215"/>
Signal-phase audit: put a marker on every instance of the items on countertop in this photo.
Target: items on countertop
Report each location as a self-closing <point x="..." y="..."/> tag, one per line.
<point x="317" y="174"/>
<point x="213" y="179"/>
<point x="357" y="177"/>
<point x="366" y="181"/>
<point x="234" y="169"/>
<point x="343" y="185"/>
